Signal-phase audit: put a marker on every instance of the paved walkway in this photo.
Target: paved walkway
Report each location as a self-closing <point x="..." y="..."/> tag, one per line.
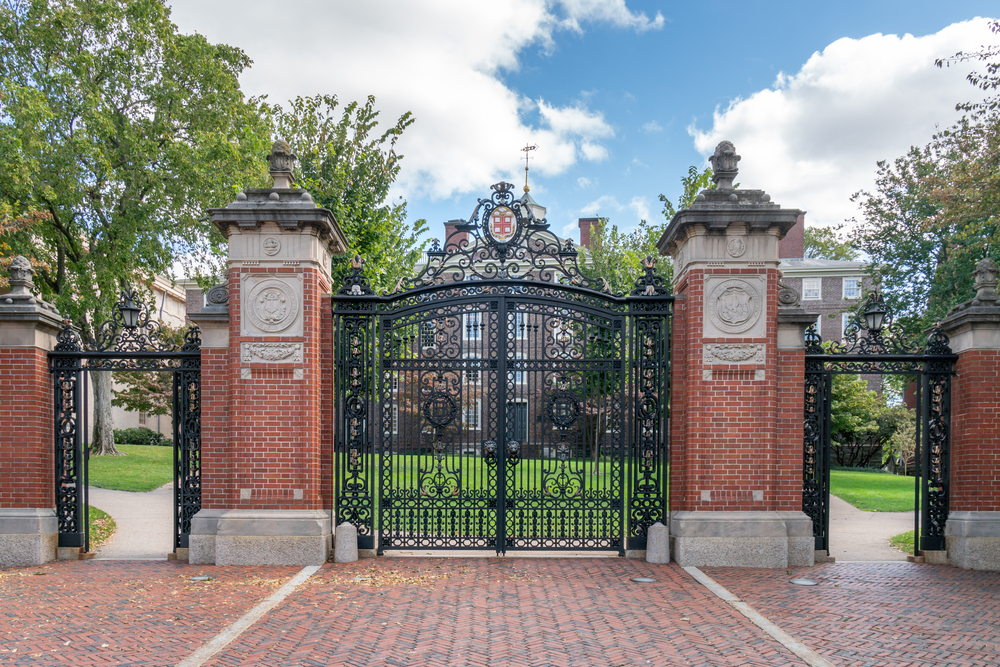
<point x="858" y="535"/>
<point x="497" y="612"/>
<point x="145" y="522"/>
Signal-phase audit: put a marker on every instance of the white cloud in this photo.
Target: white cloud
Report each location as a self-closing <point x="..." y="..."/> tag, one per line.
<point x="442" y="60"/>
<point x="584" y="182"/>
<point x="814" y="138"/>
<point x="651" y="126"/>
<point x="607" y="204"/>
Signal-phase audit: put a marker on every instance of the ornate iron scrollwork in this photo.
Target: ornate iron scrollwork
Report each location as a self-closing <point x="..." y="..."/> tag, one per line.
<point x="131" y="345"/>
<point x="874" y="343"/>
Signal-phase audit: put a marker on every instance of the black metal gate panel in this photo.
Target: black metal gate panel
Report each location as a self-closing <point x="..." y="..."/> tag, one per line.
<point x="501" y="399"/>
<point x="133" y="345"/>
<point x="874" y="344"/>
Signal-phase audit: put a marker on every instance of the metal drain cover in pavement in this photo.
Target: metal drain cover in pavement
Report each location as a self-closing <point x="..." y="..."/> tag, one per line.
<point x="804" y="582"/>
<point x="644" y="580"/>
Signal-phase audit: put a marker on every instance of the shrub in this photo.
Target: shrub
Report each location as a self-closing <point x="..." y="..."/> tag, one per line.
<point x="141" y="436"/>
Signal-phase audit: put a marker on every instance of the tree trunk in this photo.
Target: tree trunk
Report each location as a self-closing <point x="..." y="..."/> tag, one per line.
<point x="104" y="425"/>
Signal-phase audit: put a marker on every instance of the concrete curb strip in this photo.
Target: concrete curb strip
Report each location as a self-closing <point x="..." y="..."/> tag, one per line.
<point x="226" y="637"/>
<point x="807" y="655"/>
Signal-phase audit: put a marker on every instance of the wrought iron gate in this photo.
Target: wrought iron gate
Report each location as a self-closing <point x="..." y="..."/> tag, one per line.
<point x="874" y="344"/>
<point x="131" y="342"/>
<point x="502" y="399"/>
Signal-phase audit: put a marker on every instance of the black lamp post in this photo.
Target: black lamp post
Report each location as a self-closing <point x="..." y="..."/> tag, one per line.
<point x="129" y="310"/>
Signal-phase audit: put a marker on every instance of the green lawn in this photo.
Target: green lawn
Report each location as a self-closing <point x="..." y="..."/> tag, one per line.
<point x="903" y="541"/>
<point x="873" y="491"/>
<point x="102" y="527"/>
<point x="144" y="469"/>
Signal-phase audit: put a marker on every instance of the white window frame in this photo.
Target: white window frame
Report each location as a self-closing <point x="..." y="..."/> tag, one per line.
<point x="521" y="326"/>
<point x="472" y="323"/>
<point x="819" y="324"/>
<point x="395" y="420"/>
<point x="428" y="327"/>
<point x="818" y="282"/>
<point x="845" y="321"/>
<point x="477" y="412"/>
<point x="843" y="288"/>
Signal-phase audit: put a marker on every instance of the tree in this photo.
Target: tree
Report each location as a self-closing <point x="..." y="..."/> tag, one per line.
<point x="691" y="185"/>
<point x="350" y="170"/>
<point x="828" y="243"/>
<point x="617" y="256"/>
<point x="148" y="391"/>
<point x="902" y="445"/>
<point x="123" y="131"/>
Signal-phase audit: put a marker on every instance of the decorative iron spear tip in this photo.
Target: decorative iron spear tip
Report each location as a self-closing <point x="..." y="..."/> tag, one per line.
<point x="649" y="262"/>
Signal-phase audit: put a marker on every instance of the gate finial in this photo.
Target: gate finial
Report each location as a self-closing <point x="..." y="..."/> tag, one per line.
<point x="724" y="163"/>
<point x="281" y="161"/>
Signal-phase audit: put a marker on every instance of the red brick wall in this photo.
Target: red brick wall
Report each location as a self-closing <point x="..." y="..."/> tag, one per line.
<point x="326" y="403"/>
<point x="975" y="433"/>
<point x="728" y="435"/>
<point x="26" y="437"/>
<point x="793" y="245"/>
<point x="265" y="433"/>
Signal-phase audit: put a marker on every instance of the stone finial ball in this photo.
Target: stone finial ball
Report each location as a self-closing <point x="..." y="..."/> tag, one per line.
<point x="281" y="146"/>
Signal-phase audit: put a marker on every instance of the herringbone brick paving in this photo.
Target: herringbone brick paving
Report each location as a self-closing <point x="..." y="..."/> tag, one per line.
<point x="544" y="612"/>
<point x="122" y="612"/>
<point x="865" y="614"/>
<point x="539" y="612"/>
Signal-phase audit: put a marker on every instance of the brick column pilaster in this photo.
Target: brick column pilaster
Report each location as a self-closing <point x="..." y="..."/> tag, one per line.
<point x="735" y="492"/>
<point x="972" y="533"/>
<point x="28" y="330"/>
<point x="264" y="495"/>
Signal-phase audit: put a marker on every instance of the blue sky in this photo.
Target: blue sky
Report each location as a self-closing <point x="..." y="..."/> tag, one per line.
<point x="621" y="97"/>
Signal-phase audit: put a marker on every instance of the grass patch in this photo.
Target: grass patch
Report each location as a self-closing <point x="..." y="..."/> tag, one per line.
<point x="903" y="541"/>
<point x="144" y="469"/>
<point x="102" y="527"/>
<point x="873" y="491"/>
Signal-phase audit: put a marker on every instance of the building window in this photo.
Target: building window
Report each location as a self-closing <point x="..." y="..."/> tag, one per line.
<point x="142" y="419"/>
<point x="845" y="321"/>
<point x="470" y="415"/>
<point x="472" y="325"/>
<point x="852" y="288"/>
<point x="426" y="334"/>
<point x="819" y="325"/>
<point x="395" y="420"/>
<point x="520" y="326"/>
<point x="812" y="289"/>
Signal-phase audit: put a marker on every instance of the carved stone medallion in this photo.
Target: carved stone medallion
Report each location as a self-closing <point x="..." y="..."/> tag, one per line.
<point x="734" y="306"/>
<point x="271" y="245"/>
<point x="272" y="306"/>
<point x="736" y="247"/>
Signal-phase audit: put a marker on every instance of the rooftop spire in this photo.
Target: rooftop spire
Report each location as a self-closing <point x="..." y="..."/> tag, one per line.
<point x="526" y="150"/>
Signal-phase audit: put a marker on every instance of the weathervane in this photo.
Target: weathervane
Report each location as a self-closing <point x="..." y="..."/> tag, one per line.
<point x="526" y="150"/>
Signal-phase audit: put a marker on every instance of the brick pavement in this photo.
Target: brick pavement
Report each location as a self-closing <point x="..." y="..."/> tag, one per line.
<point x="865" y="614"/>
<point x="539" y="612"/>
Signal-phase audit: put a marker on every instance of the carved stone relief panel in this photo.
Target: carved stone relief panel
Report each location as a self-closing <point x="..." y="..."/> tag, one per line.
<point x="734" y="306"/>
<point x="733" y="353"/>
<point x="271" y="305"/>
<point x="273" y="353"/>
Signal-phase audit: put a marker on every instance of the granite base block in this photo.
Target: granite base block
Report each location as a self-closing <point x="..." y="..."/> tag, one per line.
<point x="741" y="539"/>
<point x="973" y="540"/>
<point x="28" y="537"/>
<point x="260" y="537"/>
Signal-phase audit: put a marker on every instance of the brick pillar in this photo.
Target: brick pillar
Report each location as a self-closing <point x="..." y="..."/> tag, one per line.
<point x="736" y="438"/>
<point x="29" y="530"/>
<point x="263" y="485"/>
<point x="972" y="533"/>
<point x="587" y="226"/>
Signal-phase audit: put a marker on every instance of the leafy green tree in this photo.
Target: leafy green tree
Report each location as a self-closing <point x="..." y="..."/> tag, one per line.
<point x="902" y="445"/>
<point x="828" y="243"/>
<point x="349" y="167"/>
<point x="616" y="256"/>
<point x="123" y="131"/>
<point x="691" y="185"/>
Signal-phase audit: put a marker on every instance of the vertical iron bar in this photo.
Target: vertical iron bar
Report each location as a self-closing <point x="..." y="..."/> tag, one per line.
<point x="503" y="428"/>
<point x="826" y="456"/>
<point x="86" y="471"/>
<point x="921" y="461"/>
<point x="177" y="443"/>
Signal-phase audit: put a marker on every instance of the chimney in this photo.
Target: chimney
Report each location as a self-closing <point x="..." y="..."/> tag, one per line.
<point x="453" y="237"/>
<point x="793" y="246"/>
<point x="585" y="226"/>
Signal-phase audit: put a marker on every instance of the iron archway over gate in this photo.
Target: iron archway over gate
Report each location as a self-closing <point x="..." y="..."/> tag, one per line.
<point x="501" y="399"/>
<point x="874" y="344"/>
<point x="131" y="342"/>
